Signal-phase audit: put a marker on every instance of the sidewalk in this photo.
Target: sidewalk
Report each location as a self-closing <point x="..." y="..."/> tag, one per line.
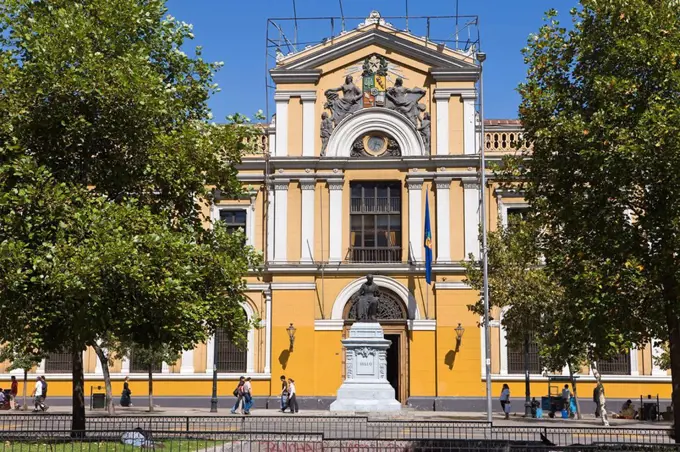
<point x="407" y="414"/>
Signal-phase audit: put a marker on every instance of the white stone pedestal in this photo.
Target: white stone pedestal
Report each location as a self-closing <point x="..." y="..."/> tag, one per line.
<point x="366" y="387"/>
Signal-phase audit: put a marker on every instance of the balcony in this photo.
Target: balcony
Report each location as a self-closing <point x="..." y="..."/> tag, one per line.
<point x="376" y="205"/>
<point x="374" y="255"/>
<point x="504" y="136"/>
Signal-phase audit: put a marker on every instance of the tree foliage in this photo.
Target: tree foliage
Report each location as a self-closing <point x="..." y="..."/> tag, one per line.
<point x="600" y="109"/>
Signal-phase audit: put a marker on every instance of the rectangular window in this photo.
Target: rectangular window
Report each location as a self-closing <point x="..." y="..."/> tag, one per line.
<point x="228" y="356"/>
<point x="234" y="219"/>
<point x="516" y="358"/>
<point x="618" y="365"/>
<point x="138" y="367"/>
<point x="375" y="222"/>
<point x="59" y="363"/>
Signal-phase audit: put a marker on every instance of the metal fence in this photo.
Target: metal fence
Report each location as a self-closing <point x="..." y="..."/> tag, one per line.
<point x="301" y="433"/>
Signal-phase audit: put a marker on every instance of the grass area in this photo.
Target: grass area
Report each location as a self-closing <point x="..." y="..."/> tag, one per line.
<point x="176" y="445"/>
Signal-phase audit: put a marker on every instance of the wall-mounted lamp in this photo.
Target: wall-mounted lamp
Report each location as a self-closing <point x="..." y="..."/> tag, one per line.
<point x="291" y="335"/>
<point x="459" y="333"/>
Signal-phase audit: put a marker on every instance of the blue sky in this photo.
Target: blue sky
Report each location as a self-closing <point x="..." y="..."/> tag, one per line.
<point x="234" y="31"/>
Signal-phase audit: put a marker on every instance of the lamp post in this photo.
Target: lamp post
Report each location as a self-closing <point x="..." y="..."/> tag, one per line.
<point x="291" y="335"/>
<point x="481" y="57"/>
<point x="213" y="399"/>
<point x="459" y="334"/>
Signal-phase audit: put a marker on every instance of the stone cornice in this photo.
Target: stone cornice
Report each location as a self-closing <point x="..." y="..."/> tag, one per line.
<point x="282" y="76"/>
<point x="453" y="75"/>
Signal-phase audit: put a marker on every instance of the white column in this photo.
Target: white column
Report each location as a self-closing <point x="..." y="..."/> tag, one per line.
<point x="657" y="351"/>
<point x="335" y="220"/>
<point x="482" y="347"/>
<point x="165" y="369"/>
<point x="307" y="220"/>
<point x="125" y="365"/>
<point x="442" y="103"/>
<point x="634" y="370"/>
<point x="271" y="132"/>
<point x="308" y="101"/>
<point x="98" y="370"/>
<point x="443" y="220"/>
<point x="268" y="333"/>
<point x="270" y="222"/>
<point x="503" y="347"/>
<point x="469" y="140"/>
<point x="415" y="218"/>
<point x="281" y="100"/>
<point x="187" y="366"/>
<point x="41" y="367"/>
<point x="210" y="355"/>
<point x="471" y="222"/>
<point x="281" y="220"/>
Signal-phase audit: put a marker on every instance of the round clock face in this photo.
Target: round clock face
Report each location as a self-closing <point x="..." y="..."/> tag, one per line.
<point x="375" y="144"/>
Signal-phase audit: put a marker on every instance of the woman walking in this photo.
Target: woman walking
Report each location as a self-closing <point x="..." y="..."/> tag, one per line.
<point x="238" y="393"/>
<point x="247" y="396"/>
<point x="125" y="399"/>
<point x="292" y="398"/>
<point x="505" y="400"/>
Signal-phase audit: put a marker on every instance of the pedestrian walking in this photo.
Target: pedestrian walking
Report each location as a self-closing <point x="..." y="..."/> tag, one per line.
<point x="238" y="393"/>
<point x="13" y="392"/>
<point x="596" y="399"/>
<point x="292" y="396"/>
<point x="125" y="399"/>
<point x="284" y="393"/>
<point x="505" y="400"/>
<point x="37" y="396"/>
<point x="566" y="399"/>
<point x="247" y="396"/>
<point x="44" y="392"/>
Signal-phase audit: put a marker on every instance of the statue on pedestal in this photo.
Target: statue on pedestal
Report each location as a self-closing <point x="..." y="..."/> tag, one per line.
<point x="405" y="100"/>
<point x="369" y="296"/>
<point x="349" y="103"/>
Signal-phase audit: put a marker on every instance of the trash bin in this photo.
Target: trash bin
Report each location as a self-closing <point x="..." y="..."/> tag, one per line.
<point x="98" y="401"/>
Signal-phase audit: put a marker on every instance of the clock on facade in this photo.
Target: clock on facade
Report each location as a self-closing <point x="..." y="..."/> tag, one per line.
<point x="375" y="144"/>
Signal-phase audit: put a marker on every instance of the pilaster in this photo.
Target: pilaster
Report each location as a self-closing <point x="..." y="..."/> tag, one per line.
<point x="441" y="100"/>
<point x="281" y="220"/>
<point x="268" y="332"/>
<point x="308" y="101"/>
<point x="335" y="187"/>
<point x="443" y="219"/>
<point x="187" y="366"/>
<point x="307" y="220"/>
<point x="469" y="135"/>
<point x="282" y="100"/>
<point x="471" y="193"/>
<point x="270" y="222"/>
<point x="415" y="218"/>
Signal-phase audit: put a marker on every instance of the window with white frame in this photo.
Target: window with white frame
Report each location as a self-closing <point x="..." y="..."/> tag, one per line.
<point x="516" y="357"/>
<point x="618" y="365"/>
<point x="236" y="217"/>
<point x="59" y="363"/>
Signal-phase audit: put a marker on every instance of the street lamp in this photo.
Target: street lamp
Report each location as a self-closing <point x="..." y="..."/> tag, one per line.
<point x="459" y="334"/>
<point x="291" y="335"/>
<point x="481" y="57"/>
<point x="213" y="399"/>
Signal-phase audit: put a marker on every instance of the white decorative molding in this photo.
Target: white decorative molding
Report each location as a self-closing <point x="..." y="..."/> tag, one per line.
<point x="329" y="325"/>
<point x="119" y="376"/>
<point x="271" y="136"/>
<point x="41" y="367"/>
<point x="308" y="123"/>
<point x="415" y="217"/>
<point x="586" y="378"/>
<point x="442" y="106"/>
<point x="187" y="366"/>
<point x="504" y="205"/>
<point x="165" y="369"/>
<point x="125" y="365"/>
<point x="657" y="351"/>
<point x="482" y="346"/>
<point x="423" y="325"/>
<point x="293" y="286"/>
<point x="270" y="222"/>
<point x="382" y="281"/>
<point x="335" y="212"/>
<point x="307" y="220"/>
<point x="268" y="333"/>
<point x="469" y="139"/>
<point x="250" y="218"/>
<point x="503" y="344"/>
<point x="375" y="119"/>
<point x="443" y="219"/>
<point x="281" y="147"/>
<point x="281" y="220"/>
<point x="471" y="198"/>
<point x="250" y="357"/>
<point x="257" y="286"/>
<point x="451" y="285"/>
<point x="634" y="369"/>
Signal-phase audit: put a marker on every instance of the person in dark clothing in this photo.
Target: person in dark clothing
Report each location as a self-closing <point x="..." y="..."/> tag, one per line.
<point x="596" y="399"/>
<point x="125" y="399"/>
<point x="292" y="398"/>
<point x="238" y="393"/>
<point x="284" y="393"/>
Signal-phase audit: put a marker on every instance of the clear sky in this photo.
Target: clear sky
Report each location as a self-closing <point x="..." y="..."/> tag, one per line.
<point x="234" y="31"/>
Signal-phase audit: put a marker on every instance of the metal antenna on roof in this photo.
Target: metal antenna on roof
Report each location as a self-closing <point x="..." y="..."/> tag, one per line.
<point x="342" y="16"/>
<point x="456" y="24"/>
<point x="406" y="15"/>
<point x="295" y="35"/>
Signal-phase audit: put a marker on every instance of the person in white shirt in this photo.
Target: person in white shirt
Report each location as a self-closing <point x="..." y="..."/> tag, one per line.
<point x="247" y="396"/>
<point x="292" y="397"/>
<point x="37" y="395"/>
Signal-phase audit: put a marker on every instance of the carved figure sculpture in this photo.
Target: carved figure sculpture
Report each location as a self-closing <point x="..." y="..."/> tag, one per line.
<point x="326" y="130"/>
<point x="405" y="100"/>
<point x="369" y="294"/>
<point x="424" y="130"/>
<point x="345" y="105"/>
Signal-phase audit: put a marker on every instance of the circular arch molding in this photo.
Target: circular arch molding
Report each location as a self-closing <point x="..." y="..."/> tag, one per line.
<point x="372" y="120"/>
<point x="382" y="281"/>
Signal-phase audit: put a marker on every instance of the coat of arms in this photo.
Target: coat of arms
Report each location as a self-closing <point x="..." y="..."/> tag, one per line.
<point x="374" y="81"/>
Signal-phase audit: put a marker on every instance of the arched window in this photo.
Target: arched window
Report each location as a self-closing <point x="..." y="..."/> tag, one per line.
<point x="516" y="357"/>
<point x="228" y="356"/>
<point x="617" y="365"/>
<point x="390" y="306"/>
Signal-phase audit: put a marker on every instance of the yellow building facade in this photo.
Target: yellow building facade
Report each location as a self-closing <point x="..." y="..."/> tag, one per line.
<point x="339" y="192"/>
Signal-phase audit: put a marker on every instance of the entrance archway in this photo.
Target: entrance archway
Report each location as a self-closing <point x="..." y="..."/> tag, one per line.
<point x="393" y="317"/>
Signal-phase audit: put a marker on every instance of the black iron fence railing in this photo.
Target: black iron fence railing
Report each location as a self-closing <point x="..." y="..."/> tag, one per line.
<point x="341" y="433"/>
<point x="375" y="255"/>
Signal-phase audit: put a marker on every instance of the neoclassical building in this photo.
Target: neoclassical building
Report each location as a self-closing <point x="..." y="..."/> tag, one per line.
<point x="370" y="126"/>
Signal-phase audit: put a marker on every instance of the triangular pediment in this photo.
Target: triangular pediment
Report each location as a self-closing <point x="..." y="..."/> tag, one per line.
<point x="442" y="61"/>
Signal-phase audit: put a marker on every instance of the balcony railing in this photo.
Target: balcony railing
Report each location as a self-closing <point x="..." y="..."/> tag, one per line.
<point x="375" y="255"/>
<point x="376" y="205"/>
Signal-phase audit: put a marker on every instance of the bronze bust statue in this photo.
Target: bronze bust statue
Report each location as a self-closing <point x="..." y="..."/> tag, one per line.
<point x="369" y="295"/>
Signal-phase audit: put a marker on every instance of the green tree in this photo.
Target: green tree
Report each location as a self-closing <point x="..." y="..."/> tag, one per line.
<point x="152" y="357"/>
<point x="22" y="358"/>
<point x="600" y="109"/>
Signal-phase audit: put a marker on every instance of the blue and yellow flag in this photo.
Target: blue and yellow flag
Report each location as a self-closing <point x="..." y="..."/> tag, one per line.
<point x="428" y="243"/>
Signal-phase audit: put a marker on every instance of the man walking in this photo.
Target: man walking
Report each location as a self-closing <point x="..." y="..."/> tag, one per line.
<point x="44" y="392"/>
<point x="37" y="396"/>
<point x="13" y="391"/>
<point x="566" y="398"/>
<point x="284" y="393"/>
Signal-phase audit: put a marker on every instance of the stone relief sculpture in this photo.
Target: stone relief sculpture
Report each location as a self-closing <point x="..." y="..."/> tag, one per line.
<point x="405" y="100"/>
<point x="424" y="130"/>
<point x="369" y="296"/>
<point x="326" y="131"/>
<point x="345" y="105"/>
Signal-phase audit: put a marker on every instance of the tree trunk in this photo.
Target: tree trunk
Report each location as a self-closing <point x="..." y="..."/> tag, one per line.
<point x="25" y="407"/>
<point x="674" y="350"/>
<point x="150" y="388"/>
<point x="103" y="359"/>
<point x="602" y="398"/>
<point x="78" y="400"/>
<point x="573" y="386"/>
<point x="527" y="379"/>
